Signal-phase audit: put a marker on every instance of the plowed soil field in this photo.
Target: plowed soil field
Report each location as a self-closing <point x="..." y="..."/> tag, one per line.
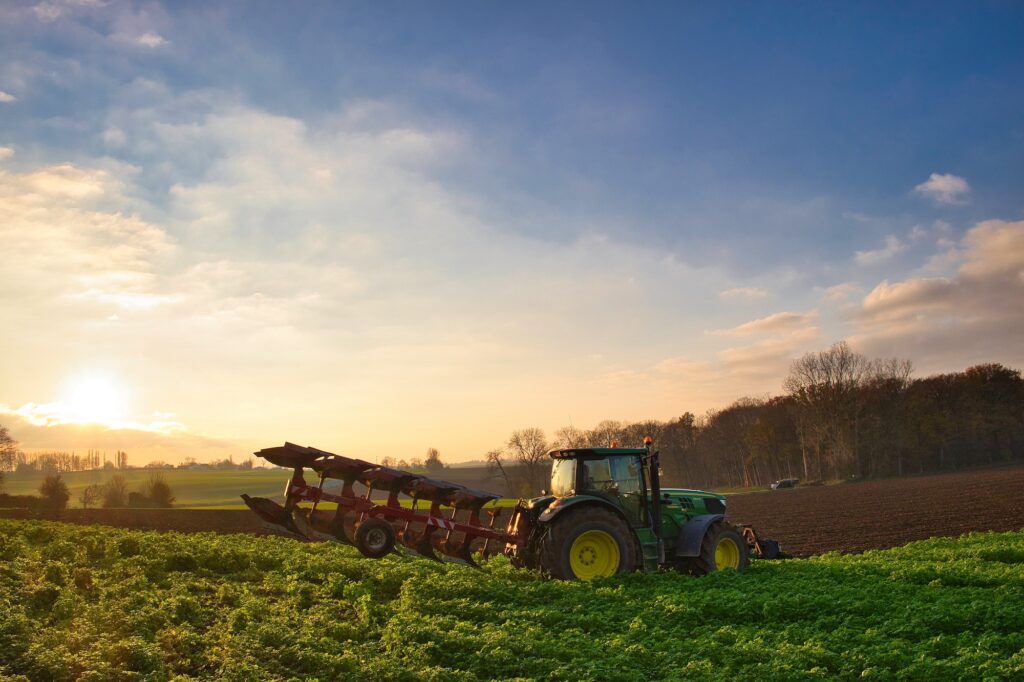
<point x="854" y="517"/>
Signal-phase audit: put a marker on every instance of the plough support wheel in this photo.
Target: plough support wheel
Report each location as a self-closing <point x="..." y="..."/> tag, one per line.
<point x="375" y="538"/>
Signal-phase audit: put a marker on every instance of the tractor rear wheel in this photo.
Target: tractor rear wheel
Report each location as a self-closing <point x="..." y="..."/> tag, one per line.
<point x="723" y="548"/>
<point x="587" y="543"/>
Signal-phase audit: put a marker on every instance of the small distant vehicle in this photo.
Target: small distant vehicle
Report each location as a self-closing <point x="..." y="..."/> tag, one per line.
<point x="785" y="483"/>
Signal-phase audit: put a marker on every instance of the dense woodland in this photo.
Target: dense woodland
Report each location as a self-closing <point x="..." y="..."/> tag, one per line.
<point x="843" y="416"/>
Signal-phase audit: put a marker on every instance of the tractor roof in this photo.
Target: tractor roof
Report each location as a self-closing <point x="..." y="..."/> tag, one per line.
<point x="571" y="453"/>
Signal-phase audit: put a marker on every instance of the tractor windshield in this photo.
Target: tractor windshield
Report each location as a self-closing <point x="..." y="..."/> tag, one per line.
<point x="563" y="477"/>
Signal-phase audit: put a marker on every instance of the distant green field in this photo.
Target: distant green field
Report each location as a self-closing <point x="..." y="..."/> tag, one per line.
<point x="199" y="489"/>
<point x="203" y="489"/>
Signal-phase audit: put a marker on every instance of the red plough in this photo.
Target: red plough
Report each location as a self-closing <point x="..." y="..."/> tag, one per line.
<point x="450" y="525"/>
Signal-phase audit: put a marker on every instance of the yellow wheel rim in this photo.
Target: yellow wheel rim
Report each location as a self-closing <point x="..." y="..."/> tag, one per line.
<point x="727" y="554"/>
<point x="594" y="554"/>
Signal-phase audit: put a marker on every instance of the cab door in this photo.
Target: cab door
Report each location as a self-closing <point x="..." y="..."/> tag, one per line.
<point x="627" y="472"/>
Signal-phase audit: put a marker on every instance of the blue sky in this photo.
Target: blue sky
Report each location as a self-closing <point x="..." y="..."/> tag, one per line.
<point x="506" y="215"/>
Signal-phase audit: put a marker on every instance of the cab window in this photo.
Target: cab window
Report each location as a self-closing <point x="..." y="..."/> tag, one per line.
<point x="617" y="478"/>
<point x="563" y="477"/>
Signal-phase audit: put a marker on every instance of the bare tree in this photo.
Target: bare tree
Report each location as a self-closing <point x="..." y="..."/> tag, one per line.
<point x="433" y="463"/>
<point x="528" y="449"/>
<point x="827" y="385"/>
<point x="605" y="433"/>
<point x="90" y="495"/>
<point x="496" y="466"/>
<point x="8" y="450"/>
<point x="570" y="437"/>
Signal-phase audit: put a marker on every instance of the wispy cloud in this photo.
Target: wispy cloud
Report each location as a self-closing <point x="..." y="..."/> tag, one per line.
<point x="945" y="189"/>
<point x="59" y="414"/>
<point x="893" y="245"/>
<point x="772" y="323"/>
<point x="840" y="292"/>
<point x="151" y="39"/>
<point x="743" y="294"/>
<point x="7" y="97"/>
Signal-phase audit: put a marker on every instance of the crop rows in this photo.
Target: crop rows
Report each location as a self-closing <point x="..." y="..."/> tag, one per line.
<point x="98" y="603"/>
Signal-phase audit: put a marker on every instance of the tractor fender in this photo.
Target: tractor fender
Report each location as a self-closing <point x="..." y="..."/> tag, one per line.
<point x="556" y="508"/>
<point x="691" y="535"/>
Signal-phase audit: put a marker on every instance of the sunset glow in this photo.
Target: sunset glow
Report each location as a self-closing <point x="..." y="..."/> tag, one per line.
<point x="95" y="398"/>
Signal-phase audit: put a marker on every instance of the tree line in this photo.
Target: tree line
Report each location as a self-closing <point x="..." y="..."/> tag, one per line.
<point x="843" y="416"/>
<point x="54" y="461"/>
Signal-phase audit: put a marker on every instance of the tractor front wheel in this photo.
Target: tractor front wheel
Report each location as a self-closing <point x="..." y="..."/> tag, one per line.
<point x="587" y="543"/>
<point x="723" y="548"/>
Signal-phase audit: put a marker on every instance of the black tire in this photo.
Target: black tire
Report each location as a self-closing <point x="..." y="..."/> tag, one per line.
<point x="770" y="549"/>
<point x="567" y="527"/>
<point x="375" y="538"/>
<point x="717" y="533"/>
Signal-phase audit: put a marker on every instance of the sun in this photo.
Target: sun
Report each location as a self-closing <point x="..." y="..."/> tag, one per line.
<point x="95" y="398"/>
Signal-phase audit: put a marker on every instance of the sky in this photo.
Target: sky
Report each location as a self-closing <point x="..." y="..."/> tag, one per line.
<point x="380" y="227"/>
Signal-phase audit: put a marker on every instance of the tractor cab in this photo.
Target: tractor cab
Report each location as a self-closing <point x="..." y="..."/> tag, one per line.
<point x="615" y="475"/>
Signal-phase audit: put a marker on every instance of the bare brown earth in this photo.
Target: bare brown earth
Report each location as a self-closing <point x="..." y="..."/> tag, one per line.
<point x="852" y="517"/>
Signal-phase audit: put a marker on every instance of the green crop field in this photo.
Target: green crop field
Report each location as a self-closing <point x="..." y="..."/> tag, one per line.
<point x="203" y="489"/>
<point x="103" y="604"/>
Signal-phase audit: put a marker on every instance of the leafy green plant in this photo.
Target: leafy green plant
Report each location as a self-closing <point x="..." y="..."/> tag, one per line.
<point x="100" y="603"/>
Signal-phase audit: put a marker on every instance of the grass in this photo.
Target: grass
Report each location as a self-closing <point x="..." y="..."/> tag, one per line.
<point x="200" y="489"/>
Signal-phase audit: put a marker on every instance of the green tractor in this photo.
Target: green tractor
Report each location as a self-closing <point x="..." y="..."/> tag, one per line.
<point x="606" y="513"/>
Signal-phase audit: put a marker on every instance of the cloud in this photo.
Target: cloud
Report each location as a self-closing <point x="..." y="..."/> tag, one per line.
<point x="6" y="153"/>
<point x="974" y="314"/>
<point x="743" y="294"/>
<point x="892" y="246"/>
<point x="945" y="190"/>
<point x="60" y="245"/>
<point x="155" y="440"/>
<point x="151" y="40"/>
<point x="7" y="97"/>
<point x="51" y="10"/>
<point x="840" y="292"/>
<point x="58" y="414"/>
<point x="770" y="324"/>
<point x="770" y="357"/>
<point x="694" y="384"/>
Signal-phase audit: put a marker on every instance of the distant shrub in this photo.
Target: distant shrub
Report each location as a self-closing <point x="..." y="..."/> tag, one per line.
<point x="156" y="494"/>
<point x="115" y="492"/>
<point x="159" y="492"/>
<point x="138" y="501"/>
<point x="54" y="492"/>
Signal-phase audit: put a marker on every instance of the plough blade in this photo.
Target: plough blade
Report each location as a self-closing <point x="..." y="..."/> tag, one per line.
<point x="305" y="524"/>
<point x="272" y="513"/>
